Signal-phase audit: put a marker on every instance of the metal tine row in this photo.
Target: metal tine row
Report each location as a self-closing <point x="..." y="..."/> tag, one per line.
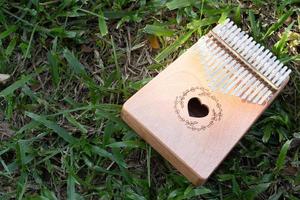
<point x="228" y="76"/>
<point x="230" y="66"/>
<point x="269" y="64"/>
<point x="245" y="84"/>
<point x="259" y="57"/>
<point x="211" y="56"/>
<point x="220" y="66"/>
<point x="213" y="53"/>
<point x="211" y="59"/>
<point x="250" y="90"/>
<point x="218" y="62"/>
<point x="232" y="73"/>
<point x="241" y="84"/>
<point x="233" y="78"/>
<point x="262" y="59"/>
<point x="229" y="70"/>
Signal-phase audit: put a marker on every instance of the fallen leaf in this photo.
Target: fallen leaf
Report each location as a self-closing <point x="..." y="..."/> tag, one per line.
<point x="154" y="43"/>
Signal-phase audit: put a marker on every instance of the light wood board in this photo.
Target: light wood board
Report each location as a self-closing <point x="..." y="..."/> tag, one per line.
<point x="151" y="112"/>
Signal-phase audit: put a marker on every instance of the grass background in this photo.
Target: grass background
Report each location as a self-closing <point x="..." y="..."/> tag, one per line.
<point x="75" y="62"/>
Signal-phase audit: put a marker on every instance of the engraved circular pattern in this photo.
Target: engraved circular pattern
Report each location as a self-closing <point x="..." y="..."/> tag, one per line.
<point x="196" y="124"/>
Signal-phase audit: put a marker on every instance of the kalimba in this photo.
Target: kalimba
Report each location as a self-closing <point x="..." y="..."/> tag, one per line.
<point x="199" y="107"/>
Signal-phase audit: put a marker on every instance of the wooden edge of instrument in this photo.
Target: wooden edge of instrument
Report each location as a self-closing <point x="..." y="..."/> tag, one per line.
<point x="168" y="154"/>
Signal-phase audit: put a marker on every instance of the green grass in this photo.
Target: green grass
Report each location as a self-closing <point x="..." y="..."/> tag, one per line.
<point x="73" y="65"/>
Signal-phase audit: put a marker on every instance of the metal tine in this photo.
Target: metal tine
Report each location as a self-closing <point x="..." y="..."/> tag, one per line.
<point x="282" y="72"/>
<point x="279" y="74"/>
<point x="265" y="56"/>
<point x="247" y="51"/>
<point x="273" y="75"/>
<point x="239" y="78"/>
<point x="212" y="61"/>
<point x="231" y="36"/>
<point x="263" y="66"/>
<point x="277" y="67"/>
<point x="271" y="66"/>
<point x="255" y="92"/>
<point x="243" y="45"/>
<point x="239" y="42"/>
<point x="251" y="89"/>
<point x="235" y="75"/>
<point x="216" y="75"/>
<point x="204" y="51"/>
<point x="216" y="53"/>
<point x="208" y="60"/>
<point x="219" y="82"/>
<point x="217" y="66"/>
<point x="218" y="57"/>
<point x="237" y="37"/>
<point x="206" y="56"/>
<point x="217" y="28"/>
<point x="243" y="82"/>
<point x="248" y="48"/>
<point x="224" y="61"/>
<point x="254" y="56"/>
<point x="226" y="21"/>
<point x="210" y="47"/>
<point x="203" y="39"/>
<point x="211" y="64"/>
<point x="287" y="73"/>
<point x="220" y="26"/>
<point x="257" y="63"/>
<point x="252" y="51"/>
<point x="231" y="69"/>
<point x="221" y="77"/>
<point x="227" y="34"/>
<point x="202" y="43"/>
<point x="246" y="86"/>
<point x="225" y="27"/>
<point x="264" y="98"/>
<point x="258" y="59"/>
<point x="209" y="43"/>
<point x="268" y="66"/>
<point x="211" y="52"/>
<point x="262" y="92"/>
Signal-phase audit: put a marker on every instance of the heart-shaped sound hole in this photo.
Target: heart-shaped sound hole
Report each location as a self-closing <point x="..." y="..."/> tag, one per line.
<point x="196" y="108"/>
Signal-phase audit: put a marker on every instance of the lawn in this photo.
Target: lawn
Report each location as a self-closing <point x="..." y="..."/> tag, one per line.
<point x="73" y="63"/>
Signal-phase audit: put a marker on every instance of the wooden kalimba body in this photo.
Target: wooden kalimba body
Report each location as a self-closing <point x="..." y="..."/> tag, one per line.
<point x="187" y="115"/>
